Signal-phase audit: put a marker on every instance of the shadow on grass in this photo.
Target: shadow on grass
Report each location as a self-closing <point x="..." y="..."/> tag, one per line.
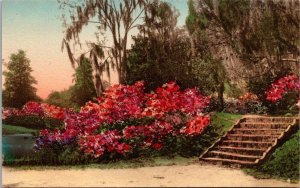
<point x="121" y="164"/>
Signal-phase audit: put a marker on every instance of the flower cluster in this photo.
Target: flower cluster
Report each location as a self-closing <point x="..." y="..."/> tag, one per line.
<point x="248" y="97"/>
<point x="8" y="112"/>
<point x="119" y="102"/>
<point x="282" y="86"/>
<point x="108" y="141"/>
<point x="149" y="135"/>
<point x="53" y="111"/>
<point x="38" y="109"/>
<point x="169" y="98"/>
<point x="33" y="108"/>
<point x="196" y="125"/>
<point x="171" y="112"/>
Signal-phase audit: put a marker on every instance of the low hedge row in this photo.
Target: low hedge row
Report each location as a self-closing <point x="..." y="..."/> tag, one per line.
<point x="34" y="122"/>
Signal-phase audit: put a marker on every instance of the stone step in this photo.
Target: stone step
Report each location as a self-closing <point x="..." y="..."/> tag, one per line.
<point x="251" y="137"/>
<point x="263" y="125"/>
<point x="258" y="130"/>
<point x="270" y="119"/>
<point x="241" y="150"/>
<point x="246" y="144"/>
<point x="249" y="140"/>
<point x="230" y="155"/>
<point x="228" y="161"/>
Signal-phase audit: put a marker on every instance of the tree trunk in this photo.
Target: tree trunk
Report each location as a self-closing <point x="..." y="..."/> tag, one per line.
<point x="221" y="97"/>
<point x="123" y="63"/>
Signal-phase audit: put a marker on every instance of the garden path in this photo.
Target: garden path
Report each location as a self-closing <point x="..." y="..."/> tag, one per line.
<point x="177" y="175"/>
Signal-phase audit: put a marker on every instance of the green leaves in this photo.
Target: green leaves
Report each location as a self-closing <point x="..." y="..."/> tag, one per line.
<point x="83" y="90"/>
<point x="18" y="82"/>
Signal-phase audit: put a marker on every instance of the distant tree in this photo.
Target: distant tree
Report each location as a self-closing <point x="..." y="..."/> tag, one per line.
<point x="61" y="98"/>
<point x="83" y="90"/>
<point x="19" y="82"/>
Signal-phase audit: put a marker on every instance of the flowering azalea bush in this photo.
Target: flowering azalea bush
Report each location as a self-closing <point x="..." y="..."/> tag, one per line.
<point x="36" y="108"/>
<point x="282" y="86"/>
<point x="35" y="115"/>
<point x="283" y="94"/>
<point x="8" y="112"/>
<point x="126" y="120"/>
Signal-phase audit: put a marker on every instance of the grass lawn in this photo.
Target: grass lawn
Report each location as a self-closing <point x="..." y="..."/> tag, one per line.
<point x="224" y="120"/>
<point x="12" y="129"/>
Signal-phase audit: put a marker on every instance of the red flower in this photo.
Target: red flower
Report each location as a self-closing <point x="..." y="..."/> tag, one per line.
<point x="44" y="132"/>
<point x="123" y="148"/>
<point x="168" y="108"/>
<point x="196" y="125"/>
<point x="157" y="146"/>
<point x="282" y="86"/>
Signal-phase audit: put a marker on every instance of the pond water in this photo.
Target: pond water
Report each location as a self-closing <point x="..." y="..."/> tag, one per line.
<point x="18" y="145"/>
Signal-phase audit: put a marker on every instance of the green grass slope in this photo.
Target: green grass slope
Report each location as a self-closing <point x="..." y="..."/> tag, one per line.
<point x="224" y="120"/>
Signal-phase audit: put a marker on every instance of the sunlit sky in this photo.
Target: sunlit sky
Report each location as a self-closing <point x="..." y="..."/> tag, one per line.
<point x="35" y="27"/>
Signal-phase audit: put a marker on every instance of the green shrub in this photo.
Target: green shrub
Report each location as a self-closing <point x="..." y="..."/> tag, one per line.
<point x="34" y="122"/>
<point x="61" y="156"/>
<point x="52" y="156"/>
<point x="255" y="107"/>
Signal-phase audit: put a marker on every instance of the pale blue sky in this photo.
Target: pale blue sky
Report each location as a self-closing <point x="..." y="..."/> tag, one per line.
<point x="35" y="26"/>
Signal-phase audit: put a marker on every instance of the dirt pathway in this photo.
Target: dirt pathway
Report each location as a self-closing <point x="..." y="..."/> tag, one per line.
<point x="181" y="176"/>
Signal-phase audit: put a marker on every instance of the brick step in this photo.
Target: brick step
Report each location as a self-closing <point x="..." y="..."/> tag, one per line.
<point x="228" y="161"/>
<point x="246" y="144"/>
<point x="234" y="156"/>
<point x="251" y="137"/>
<point x="263" y="125"/>
<point x="241" y="150"/>
<point x="270" y="119"/>
<point x="258" y="130"/>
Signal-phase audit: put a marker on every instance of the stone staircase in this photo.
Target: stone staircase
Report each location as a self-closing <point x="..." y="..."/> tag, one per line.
<point x="250" y="140"/>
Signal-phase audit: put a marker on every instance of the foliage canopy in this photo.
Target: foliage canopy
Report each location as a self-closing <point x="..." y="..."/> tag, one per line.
<point x="19" y="82"/>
